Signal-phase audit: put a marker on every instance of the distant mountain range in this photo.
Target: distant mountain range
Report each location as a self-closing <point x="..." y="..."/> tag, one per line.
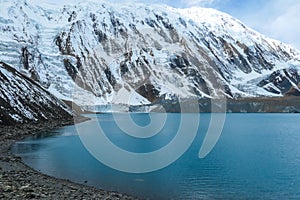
<point x="98" y="53"/>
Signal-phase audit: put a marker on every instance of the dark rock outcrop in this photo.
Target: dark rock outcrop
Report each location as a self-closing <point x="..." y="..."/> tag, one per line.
<point x="22" y="100"/>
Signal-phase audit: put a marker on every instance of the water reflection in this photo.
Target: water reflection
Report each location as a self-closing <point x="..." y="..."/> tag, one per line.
<point x="27" y="147"/>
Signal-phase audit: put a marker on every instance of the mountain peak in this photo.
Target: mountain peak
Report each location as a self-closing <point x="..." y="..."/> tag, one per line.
<point x="154" y="51"/>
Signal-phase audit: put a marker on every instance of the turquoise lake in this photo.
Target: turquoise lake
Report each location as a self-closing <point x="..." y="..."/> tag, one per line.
<point x="256" y="157"/>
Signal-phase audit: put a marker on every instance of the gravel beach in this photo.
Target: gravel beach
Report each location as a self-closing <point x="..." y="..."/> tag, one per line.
<point x="18" y="181"/>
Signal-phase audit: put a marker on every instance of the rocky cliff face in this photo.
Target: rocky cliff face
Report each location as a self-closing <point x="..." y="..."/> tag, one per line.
<point x="100" y="52"/>
<point x="23" y="101"/>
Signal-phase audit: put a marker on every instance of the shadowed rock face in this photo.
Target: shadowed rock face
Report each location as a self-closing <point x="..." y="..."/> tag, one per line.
<point x="282" y="82"/>
<point x="22" y="100"/>
<point x="294" y="91"/>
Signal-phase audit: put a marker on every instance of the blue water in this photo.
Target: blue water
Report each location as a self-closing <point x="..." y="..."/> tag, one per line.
<point x="257" y="157"/>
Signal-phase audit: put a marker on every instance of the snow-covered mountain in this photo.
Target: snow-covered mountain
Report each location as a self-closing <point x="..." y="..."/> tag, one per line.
<point x="102" y="52"/>
<point x="23" y="101"/>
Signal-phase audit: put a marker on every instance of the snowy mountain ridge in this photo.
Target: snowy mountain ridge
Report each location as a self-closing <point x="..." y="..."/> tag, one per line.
<point x="23" y="101"/>
<point x="101" y="52"/>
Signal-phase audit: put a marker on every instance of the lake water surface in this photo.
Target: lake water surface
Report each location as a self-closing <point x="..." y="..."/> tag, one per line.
<point x="256" y="157"/>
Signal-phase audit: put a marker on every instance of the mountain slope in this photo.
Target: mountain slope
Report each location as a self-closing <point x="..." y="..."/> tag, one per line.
<point x="23" y="101"/>
<point x="100" y="53"/>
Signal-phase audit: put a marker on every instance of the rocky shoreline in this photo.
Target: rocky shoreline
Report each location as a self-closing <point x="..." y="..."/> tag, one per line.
<point x="18" y="181"/>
